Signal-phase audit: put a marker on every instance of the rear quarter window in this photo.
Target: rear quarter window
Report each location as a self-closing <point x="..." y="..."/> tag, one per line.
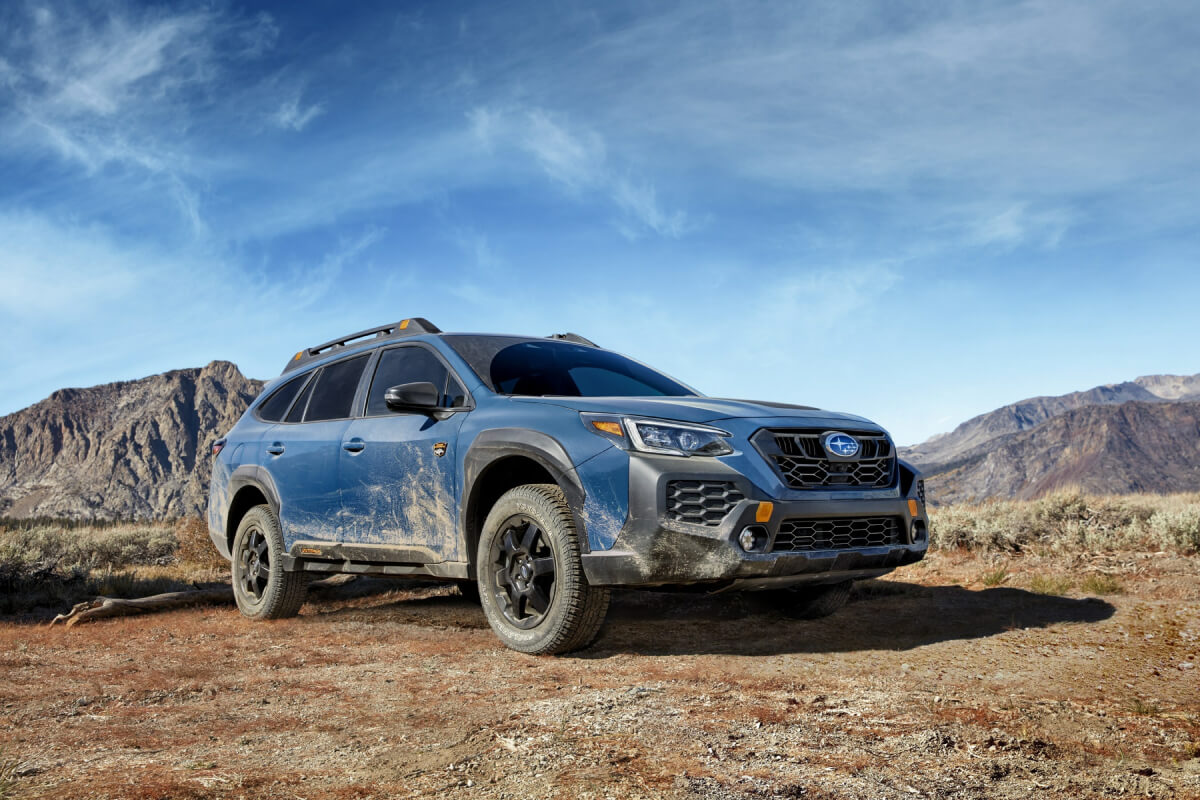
<point x="275" y="406"/>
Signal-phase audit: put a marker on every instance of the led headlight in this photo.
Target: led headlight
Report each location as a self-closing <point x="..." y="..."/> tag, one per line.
<point x="659" y="436"/>
<point x="670" y="438"/>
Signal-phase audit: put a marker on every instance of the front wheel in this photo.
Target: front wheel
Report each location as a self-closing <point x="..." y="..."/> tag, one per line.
<point x="531" y="582"/>
<point x="261" y="586"/>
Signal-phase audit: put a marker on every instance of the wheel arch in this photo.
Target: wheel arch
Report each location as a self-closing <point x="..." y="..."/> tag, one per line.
<point x="249" y="486"/>
<point x="504" y="458"/>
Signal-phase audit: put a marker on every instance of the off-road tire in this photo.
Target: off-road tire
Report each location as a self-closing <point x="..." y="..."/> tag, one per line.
<point x="812" y="602"/>
<point x="272" y="592"/>
<point x="574" y="610"/>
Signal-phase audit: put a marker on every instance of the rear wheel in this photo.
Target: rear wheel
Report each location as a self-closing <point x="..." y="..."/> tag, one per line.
<point x="531" y="582"/>
<point x="261" y="587"/>
<point x="812" y="602"/>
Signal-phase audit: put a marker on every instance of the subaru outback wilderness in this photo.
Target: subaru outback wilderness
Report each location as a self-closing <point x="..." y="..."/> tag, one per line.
<point x="541" y="472"/>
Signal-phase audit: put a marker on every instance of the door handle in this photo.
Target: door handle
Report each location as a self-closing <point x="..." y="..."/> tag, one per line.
<point x="355" y="445"/>
<point x="275" y="448"/>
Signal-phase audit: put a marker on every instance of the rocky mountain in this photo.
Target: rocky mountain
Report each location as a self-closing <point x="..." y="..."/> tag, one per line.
<point x="1105" y="449"/>
<point x="135" y="449"/>
<point x="946" y="448"/>
<point x="1140" y="435"/>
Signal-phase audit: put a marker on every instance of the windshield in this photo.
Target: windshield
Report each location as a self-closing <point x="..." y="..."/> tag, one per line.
<point x="511" y="365"/>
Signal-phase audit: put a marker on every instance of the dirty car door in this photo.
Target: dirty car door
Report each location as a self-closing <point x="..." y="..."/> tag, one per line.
<point x="397" y="467"/>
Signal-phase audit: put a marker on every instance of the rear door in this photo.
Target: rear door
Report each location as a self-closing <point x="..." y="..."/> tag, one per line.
<point x="398" y="476"/>
<point x="302" y="451"/>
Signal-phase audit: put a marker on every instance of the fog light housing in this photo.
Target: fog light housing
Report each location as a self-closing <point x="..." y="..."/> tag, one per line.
<point x="753" y="538"/>
<point x="918" y="532"/>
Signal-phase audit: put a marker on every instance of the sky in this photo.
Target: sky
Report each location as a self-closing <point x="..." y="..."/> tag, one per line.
<point x="915" y="212"/>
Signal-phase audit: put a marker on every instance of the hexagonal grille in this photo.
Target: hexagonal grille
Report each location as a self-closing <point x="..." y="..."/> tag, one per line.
<point x="803" y="463"/>
<point x="799" y="535"/>
<point x="701" y="502"/>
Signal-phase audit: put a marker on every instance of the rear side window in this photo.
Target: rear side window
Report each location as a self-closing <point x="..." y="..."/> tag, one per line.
<point x="275" y="406"/>
<point x="297" y="412"/>
<point x="333" y="394"/>
<point x="411" y="365"/>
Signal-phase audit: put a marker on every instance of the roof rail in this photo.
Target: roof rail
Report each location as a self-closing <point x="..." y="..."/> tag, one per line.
<point x="405" y="327"/>
<point x="573" y="337"/>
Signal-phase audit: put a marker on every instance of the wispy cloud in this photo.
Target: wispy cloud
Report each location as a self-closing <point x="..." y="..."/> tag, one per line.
<point x="1019" y="225"/>
<point x="576" y="158"/>
<point x="118" y="89"/>
<point x="293" y="115"/>
<point x="639" y="202"/>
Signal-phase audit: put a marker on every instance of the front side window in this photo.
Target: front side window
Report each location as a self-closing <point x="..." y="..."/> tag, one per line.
<point x="402" y="365"/>
<point x="333" y="392"/>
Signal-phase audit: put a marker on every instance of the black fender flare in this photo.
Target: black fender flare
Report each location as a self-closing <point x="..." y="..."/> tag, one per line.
<point x="495" y="444"/>
<point x="254" y="476"/>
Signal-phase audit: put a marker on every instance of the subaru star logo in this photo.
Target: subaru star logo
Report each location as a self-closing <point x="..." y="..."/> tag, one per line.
<point x="842" y="445"/>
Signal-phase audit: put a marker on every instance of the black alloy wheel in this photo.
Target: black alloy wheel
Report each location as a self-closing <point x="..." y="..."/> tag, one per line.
<point x="524" y="572"/>
<point x="255" y="560"/>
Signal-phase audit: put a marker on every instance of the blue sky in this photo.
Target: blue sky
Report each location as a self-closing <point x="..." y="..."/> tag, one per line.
<point x="916" y="212"/>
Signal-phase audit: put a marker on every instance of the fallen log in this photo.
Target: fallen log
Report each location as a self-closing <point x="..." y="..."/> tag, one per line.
<point x="102" y="607"/>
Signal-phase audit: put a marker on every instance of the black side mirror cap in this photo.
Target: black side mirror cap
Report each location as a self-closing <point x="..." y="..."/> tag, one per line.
<point x="419" y="396"/>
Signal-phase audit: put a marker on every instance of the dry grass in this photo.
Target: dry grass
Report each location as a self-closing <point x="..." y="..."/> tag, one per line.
<point x="1071" y="521"/>
<point x="195" y="547"/>
<point x="49" y="565"/>
<point x="1101" y="584"/>
<point x="1050" y="584"/>
<point x="994" y="577"/>
<point x="8" y="776"/>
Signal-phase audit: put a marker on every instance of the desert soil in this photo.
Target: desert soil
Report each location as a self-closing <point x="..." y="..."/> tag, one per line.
<point x="930" y="683"/>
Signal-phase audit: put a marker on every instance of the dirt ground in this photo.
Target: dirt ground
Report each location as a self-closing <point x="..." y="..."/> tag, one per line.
<point x="950" y="678"/>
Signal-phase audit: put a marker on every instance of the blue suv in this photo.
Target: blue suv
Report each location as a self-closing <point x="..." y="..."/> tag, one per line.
<point x="541" y="472"/>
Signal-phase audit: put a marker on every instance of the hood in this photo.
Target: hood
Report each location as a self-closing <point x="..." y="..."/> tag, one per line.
<point x="699" y="409"/>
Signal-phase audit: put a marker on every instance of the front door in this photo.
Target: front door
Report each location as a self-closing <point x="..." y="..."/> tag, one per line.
<point x="398" y="476"/>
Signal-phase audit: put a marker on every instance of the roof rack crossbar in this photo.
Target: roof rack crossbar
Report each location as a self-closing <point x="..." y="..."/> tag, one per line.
<point x="405" y="327"/>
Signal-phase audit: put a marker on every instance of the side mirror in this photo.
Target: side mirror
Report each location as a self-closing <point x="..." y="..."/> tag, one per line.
<point x="420" y="396"/>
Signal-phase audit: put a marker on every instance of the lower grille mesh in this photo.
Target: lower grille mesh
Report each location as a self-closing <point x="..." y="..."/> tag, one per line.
<point x="802" y="535"/>
<point x="701" y="502"/>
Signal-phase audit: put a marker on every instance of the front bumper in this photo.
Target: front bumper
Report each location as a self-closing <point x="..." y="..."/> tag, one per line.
<point x="652" y="550"/>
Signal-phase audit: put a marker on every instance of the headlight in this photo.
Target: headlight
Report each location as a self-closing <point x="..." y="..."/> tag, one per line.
<point x="657" y="436"/>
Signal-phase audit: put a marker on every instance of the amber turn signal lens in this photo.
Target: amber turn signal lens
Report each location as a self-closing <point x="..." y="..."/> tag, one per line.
<point x="403" y="324"/>
<point x="764" y="512"/>
<point x="607" y="426"/>
<point x="912" y="508"/>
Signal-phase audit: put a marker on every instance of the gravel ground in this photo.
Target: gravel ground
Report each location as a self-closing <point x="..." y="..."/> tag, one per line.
<point x="951" y="678"/>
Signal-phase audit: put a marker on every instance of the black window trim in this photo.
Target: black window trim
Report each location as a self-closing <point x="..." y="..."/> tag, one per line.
<point x="306" y="377"/>
<point x="361" y="407"/>
<point x="312" y="376"/>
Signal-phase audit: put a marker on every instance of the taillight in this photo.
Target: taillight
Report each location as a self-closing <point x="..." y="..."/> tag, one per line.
<point x="217" y="446"/>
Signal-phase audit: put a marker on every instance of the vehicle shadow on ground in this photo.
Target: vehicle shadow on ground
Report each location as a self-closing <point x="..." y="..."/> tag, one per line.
<point x="888" y="616"/>
<point x="881" y="615"/>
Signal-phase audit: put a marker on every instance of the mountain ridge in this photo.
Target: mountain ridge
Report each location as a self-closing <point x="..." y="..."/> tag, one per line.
<point x="125" y="450"/>
<point x="1103" y="449"/>
<point x="937" y="452"/>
